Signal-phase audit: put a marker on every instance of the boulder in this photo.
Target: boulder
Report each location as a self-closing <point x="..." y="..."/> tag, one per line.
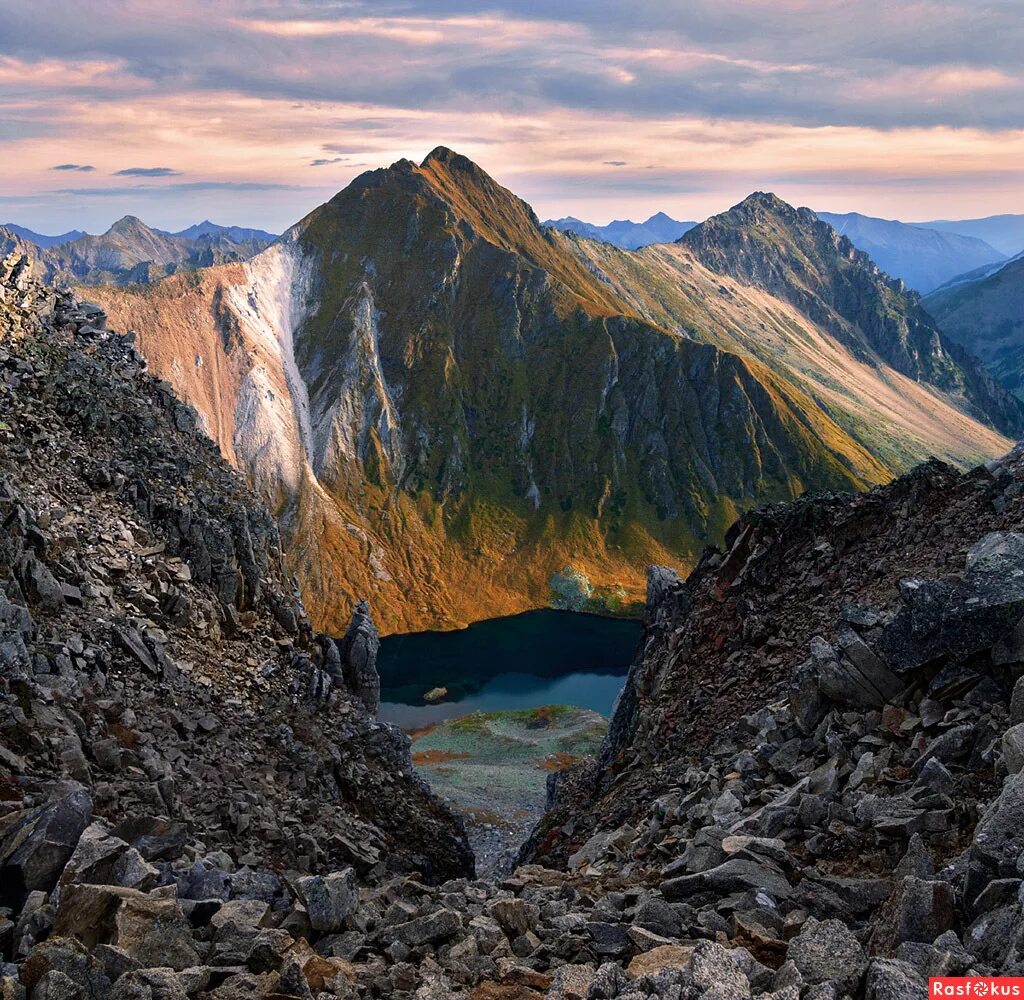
<point x="428" y="929"/>
<point x="1017" y="702"/>
<point x="957" y="618"/>
<point x="571" y="982"/>
<point x="891" y="979"/>
<point x="734" y="875"/>
<point x="658" y="916"/>
<point x="514" y="916"/>
<point x="36" y="844"/>
<point x="918" y="910"/>
<point x="826" y="951"/>
<point x="329" y="899"/>
<point x="103" y="859"/>
<point x="150" y="984"/>
<point x="1013" y="748"/>
<point x="712" y="966"/>
<point x="67" y="958"/>
<point x="150" y="928"/>
<point x="669" y="956"/>
<point x="998" y="838"/>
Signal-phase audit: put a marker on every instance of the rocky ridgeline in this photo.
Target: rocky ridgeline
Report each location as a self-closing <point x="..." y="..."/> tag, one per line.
<point x="162" y="695"/>
<point x="813" y="787"/>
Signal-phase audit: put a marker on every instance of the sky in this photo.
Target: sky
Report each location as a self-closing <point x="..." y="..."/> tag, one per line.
<point x="252" y="113"/>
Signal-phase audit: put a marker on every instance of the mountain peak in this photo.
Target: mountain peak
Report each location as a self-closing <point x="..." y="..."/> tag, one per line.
<point x="453" y="162"/>
<point x="766" y="201"/>
<point x="128" y="224"/>
<point x="442" y="154"/>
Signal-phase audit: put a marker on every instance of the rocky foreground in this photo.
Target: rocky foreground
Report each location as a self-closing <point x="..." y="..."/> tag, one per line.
<point x="813" y="786"/>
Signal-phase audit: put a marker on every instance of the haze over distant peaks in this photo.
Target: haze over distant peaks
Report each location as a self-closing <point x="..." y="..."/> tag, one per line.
<point x="236" y="233"/>
<point x="1004" y="232"/>
<point x="659" y="228"/>
<point x="39" y="239"/>
<point x="132" y="252"/>
<point x="924" y="258"/>
<point x="984" y="311"/>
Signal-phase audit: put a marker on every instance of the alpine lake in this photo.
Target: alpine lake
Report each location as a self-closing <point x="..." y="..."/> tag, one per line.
<point x="495" y="708"/>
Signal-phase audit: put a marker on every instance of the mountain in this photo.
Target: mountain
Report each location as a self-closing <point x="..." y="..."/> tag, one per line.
<point x="447" y="404"/>
<point x="42" y="264"/>
<point x="43" y="241"/>
<point x="812" y="780"/>
<point x="923" y="258"/>
<point x="984" y="312"/>
<point x="776" y="284"/>
<point x="236" y="234"/>
<point x="131" y="252"/>
<point x="1004" y="232"/>
<point x="659" y="228"/>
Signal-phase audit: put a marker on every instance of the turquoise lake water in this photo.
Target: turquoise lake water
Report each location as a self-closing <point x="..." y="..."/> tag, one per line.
<point x="542" y="657"/>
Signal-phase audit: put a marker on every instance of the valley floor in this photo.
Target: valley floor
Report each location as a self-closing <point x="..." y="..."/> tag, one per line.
<point x="491" y="768"/>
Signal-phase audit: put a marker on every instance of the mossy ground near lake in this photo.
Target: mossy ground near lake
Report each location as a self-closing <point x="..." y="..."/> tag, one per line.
<point x="492" y="768"/>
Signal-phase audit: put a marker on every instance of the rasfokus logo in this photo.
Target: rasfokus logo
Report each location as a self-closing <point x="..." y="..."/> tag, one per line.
<point x="982" y="986"/>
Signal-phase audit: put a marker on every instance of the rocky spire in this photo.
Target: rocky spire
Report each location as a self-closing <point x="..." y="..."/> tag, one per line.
<point x="358" y="650"/>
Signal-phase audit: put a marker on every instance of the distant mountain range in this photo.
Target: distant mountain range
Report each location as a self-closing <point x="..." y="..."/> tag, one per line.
<point x="1004" y="232"/>
<point x="130" y="252"/>
<point x="924" y="258"/>
<point x="446" y="403"/>
<point x="659" y="228"/>
<point x="237" y="234"/>
<point x="984" y="311"/>
<point x="43" y="241"/>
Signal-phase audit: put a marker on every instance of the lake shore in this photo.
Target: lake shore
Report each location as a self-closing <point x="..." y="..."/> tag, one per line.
<point x="492" y="768"/>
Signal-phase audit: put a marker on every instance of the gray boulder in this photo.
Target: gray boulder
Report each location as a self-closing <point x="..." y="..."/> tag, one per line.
<point x="35" y="845"/>
<point x="918" y="910"/>
<point x="1013" y="748"/>
<point x="891" y="979"/>
<point x="826" y="951"/>
<point x="329" y="899"/>
<point x="428" y="929"/>
<point x="1017" y="702"/>
<point x="714" y="966"/>
<point x="998" y="838"/>
<point x="956" y="618"/>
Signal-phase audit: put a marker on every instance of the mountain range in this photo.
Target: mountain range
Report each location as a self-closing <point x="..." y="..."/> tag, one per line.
<point x="39" y="239"/>
<point x="132" y="252"/>
<point x="923" y="257"/>
<point x="1004" y="232"/>
<point x="447" y="404"/>
<point x="659" y="228"/>
<point x="984" y="311"/>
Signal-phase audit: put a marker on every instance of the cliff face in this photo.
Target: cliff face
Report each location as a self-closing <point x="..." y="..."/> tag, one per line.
<point x="446" y="404"/>
<point x="154" y="649"/>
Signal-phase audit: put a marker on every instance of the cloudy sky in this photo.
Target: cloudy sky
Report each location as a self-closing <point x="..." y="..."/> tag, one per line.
<point x="254" y="112"/>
